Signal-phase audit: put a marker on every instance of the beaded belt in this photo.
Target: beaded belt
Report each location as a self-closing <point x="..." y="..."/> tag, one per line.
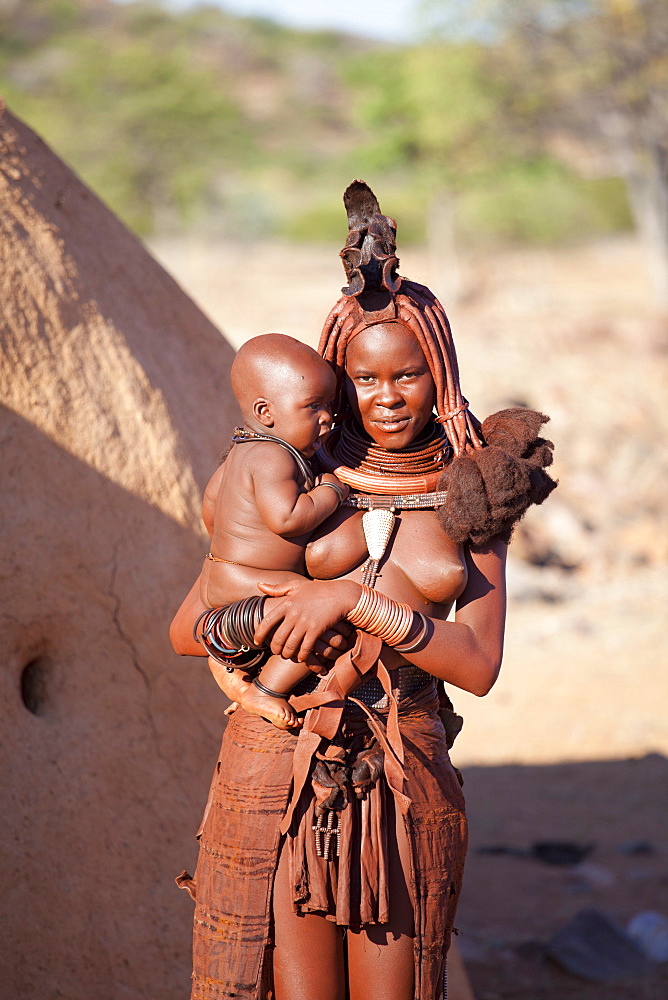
<point x="409" y="680"/>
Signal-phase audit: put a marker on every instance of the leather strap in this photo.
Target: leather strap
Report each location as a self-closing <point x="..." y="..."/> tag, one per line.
<point x="324" y="718"/>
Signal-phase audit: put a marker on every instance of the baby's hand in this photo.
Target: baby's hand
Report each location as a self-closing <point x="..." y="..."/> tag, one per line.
<point x="329" y="477"/>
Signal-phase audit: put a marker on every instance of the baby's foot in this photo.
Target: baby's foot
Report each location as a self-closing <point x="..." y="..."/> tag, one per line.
<point x="274" y="710"/>
<point x="233" y="683"/>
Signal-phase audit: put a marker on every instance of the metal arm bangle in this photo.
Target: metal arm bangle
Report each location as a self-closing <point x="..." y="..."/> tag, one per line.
<point x="337" y="489"/>
<point x="411" y="646"/>
<point x="227" y="633"/>
<point x="265" y="690"/>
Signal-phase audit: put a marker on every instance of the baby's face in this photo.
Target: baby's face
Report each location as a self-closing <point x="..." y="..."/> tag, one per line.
<point x="302" y="409"/>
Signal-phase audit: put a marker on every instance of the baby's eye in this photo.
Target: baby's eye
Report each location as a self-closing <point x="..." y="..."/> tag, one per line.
<point x="364" y="379"/>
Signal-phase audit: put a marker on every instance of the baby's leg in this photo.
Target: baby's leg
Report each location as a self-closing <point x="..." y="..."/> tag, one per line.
<point x="280" y="676"/>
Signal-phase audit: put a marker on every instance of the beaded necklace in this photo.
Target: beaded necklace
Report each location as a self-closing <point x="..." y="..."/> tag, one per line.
<point x="379" y="478"/>
<point x="356" y="460"/>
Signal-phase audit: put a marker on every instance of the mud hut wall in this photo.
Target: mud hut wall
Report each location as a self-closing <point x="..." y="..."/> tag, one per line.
<point x="116" y="406"/>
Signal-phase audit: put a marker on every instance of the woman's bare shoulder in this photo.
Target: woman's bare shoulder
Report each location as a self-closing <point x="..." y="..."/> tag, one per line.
<point x="486" y="571"/>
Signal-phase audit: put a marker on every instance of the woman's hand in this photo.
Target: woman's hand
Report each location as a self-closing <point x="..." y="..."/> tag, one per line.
<point x="307" y="609"/>
<point x="328" y="647"/>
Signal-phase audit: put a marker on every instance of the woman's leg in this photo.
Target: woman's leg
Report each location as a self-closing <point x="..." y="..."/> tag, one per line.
<point x="381" y="960"/>
<point x="308" y="953"/>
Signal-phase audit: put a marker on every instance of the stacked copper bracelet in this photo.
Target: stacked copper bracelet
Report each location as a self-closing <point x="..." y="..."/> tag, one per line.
<point x="380" y="615"/>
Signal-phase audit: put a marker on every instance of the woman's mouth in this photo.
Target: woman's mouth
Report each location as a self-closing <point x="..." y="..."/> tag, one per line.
<point x="392" y="425"/>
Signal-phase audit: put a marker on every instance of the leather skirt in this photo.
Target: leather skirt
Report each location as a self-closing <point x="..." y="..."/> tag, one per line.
<point x="338" y="869"/>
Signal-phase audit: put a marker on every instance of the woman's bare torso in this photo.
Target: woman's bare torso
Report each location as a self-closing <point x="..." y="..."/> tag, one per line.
<point x="422" y="566"/>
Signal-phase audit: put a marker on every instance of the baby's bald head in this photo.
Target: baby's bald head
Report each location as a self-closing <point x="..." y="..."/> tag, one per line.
<point x="273" y="364"/>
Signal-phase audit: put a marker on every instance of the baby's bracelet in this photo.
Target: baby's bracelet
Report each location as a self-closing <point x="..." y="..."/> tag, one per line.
<point x="337" y="489"/>
<point x="380" y="615"/>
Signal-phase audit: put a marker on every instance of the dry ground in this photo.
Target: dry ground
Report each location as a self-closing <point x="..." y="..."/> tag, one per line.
<point x="572" y="742"/>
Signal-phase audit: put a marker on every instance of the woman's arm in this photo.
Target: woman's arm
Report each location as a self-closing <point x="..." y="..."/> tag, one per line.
<point x="466" y="652"/>
<point x="183" y="623"/>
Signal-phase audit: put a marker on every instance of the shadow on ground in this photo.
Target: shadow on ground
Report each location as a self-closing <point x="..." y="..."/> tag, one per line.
<point x="513" y="904"/>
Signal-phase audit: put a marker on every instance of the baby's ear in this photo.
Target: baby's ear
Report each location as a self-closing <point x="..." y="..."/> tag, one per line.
<point x="262" y="412"/>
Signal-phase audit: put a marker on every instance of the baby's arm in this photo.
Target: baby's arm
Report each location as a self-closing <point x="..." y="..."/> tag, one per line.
<point x="284" y="508"/>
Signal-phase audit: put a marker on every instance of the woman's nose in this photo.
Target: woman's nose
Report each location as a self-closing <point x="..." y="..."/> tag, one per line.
<point x="388" y="395"/>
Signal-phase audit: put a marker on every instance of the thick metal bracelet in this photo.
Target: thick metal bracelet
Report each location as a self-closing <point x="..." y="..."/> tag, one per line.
<point x="381" y="616"/>
<point x="411" y="646"/>
<point x="337" y="489"/>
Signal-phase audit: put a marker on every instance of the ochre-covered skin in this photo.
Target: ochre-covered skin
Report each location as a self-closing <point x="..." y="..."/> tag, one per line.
<point x="264" y="927"/>
<point x="258" y="506"/>
<point x="427" y="570"/>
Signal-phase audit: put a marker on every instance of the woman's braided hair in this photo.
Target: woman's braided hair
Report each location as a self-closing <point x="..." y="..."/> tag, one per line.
<point x="377" y="294"/>
<point x="498" y="467"/>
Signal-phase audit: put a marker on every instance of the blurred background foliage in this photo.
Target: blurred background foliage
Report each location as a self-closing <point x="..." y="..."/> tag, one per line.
<point x="529" y="122"/>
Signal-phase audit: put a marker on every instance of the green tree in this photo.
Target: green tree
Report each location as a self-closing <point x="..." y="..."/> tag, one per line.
<point x="589" y="79"/>
<point x="436" y="118"/>
<point x="145" y="124"/>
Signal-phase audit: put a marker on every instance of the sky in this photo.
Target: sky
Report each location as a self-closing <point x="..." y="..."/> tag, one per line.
<point x="386" y="19"/>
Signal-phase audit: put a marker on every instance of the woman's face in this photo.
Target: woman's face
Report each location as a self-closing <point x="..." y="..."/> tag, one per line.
<point x="389" y="384"/>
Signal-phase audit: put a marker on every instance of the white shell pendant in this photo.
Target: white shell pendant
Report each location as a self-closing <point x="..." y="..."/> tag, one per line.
<point x="378" y="526"/>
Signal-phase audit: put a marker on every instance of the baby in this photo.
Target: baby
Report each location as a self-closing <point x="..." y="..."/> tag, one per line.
<point x="261" y="511"/>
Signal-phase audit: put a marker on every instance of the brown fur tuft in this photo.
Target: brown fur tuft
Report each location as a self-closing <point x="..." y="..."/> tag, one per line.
<point x="466" y="508"/>
<point x="490" y="490"/>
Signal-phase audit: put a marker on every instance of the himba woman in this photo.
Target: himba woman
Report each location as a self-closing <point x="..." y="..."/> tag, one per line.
<point x="331" y="861"/>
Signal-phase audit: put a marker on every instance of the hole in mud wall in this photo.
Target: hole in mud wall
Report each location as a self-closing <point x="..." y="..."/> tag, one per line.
<point x="33" y="686"/>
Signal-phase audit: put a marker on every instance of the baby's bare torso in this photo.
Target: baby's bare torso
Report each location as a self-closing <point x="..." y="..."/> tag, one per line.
<point x="238" y="533"/>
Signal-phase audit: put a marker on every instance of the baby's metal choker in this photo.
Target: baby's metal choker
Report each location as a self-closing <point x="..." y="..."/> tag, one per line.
<point x="242" y="435"/>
